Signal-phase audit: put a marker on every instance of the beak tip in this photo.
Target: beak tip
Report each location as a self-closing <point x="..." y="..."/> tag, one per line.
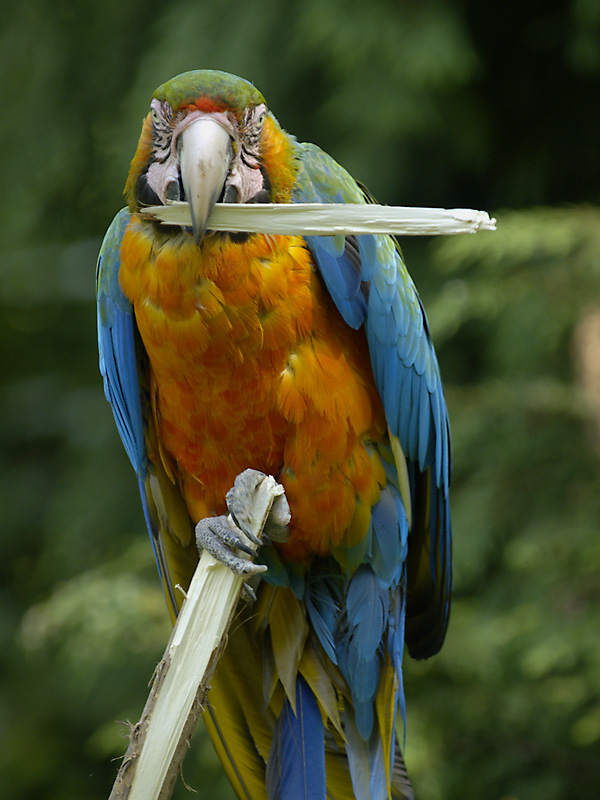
<point x="198" y="230"/>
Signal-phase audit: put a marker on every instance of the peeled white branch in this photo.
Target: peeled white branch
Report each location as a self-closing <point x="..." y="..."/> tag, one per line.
<point x="159" y="741"/>
<point x="329" y="219"/>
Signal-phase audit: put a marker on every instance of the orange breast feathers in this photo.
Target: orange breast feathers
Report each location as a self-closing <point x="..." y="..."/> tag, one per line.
<point x="251" y="365"/>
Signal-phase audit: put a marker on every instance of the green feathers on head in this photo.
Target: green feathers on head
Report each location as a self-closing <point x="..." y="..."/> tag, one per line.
<point x="210" y="89"/>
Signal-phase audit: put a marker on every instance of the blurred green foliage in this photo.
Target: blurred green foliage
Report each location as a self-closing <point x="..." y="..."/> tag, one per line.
<point x="438" y="103"/>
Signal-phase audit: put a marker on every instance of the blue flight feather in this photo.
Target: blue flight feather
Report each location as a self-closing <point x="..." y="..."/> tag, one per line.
<point x="117" y="346"/>
<point x="364" y="716"/>
<point x="118" y="358"/>
<point x="407" y="376"/>
<point x="380" y="321"/>
<point x="367" y="248"/>
<point x="389" y="538"/>
<point x="402" y="419"/>
<point x="342" y="279"/>
<point x="421" y="355"/>
<point x="367" y="619"/>
<point x="296" y="762"/>
<point x="322" y="605"/>
<point x="391" y="380"/>
<point x="366" y="761"/>
<point x="401" y="317"/>
<point x="426" y="425"/>
<point x="366" y="606"/>
<point x="414" y="432"/>
<point x="396" y="648"/>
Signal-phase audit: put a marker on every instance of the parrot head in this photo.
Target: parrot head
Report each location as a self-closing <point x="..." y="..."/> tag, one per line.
<point x="209" y="138"/>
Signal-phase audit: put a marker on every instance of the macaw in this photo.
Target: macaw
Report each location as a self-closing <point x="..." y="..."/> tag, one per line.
<point x="307" y="358"/>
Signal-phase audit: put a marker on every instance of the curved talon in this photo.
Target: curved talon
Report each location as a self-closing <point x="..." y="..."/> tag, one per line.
<point x="221" y="536"/>
<point x="216" y="535"/>
<point x="247" y="532"/>
<point x="248" y="592"/>
<point x="232" y="540"/>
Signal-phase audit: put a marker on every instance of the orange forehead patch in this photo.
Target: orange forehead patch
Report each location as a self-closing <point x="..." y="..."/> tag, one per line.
<point x="207" y="104"/>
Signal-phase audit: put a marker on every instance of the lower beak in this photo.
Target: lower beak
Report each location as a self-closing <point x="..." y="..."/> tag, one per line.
<point x="205" y="154"/>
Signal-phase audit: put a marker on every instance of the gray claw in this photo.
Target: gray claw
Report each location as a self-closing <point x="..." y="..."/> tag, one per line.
<point x="248" y="592"/>
<point x="223" y="536"/>
<point x="216" y="535"/>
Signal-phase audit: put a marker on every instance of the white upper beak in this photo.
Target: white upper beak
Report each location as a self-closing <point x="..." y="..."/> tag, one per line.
<point x="205" y="154"/>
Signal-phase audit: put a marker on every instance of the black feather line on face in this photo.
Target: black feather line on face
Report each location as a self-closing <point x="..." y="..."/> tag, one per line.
<point x="144" y="193"/>
<point x="244" y="155"/>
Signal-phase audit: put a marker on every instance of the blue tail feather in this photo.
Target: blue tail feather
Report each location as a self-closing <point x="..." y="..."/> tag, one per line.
<point x="296" y="763"/>
<point x="367" y="617"/>
<point x="366" y="762"/>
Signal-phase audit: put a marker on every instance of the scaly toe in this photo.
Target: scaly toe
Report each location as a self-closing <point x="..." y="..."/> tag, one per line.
<point x="216" y="535"/>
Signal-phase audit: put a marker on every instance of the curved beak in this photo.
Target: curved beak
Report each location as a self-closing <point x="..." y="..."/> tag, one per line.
<point x="205" y="153"/>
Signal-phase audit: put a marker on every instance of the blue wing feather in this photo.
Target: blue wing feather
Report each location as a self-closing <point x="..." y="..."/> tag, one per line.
<point x="365" y="759"/>
<point x="341" y="279"/>
<point x="296" y="763"/>
<point x="389" y="552"/>
<point x="117" y="346"/>
<point x="405" y="369"/>
<point x="119" y="359"/>
<point x="322" y="604"/>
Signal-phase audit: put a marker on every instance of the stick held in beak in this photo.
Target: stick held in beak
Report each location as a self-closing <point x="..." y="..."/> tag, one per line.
<point x="205" y="153"/>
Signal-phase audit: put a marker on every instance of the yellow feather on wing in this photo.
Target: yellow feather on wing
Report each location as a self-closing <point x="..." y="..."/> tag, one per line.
<point x="385" y="706"/>
<point x="239" y="725"/>
<point x="312" y="669"/>
<point x="289" y="630"/>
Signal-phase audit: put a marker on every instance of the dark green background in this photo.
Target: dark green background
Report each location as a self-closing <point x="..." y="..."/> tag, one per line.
<point x="485" y="105"/>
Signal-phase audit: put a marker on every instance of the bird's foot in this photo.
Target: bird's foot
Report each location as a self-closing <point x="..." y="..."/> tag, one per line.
<point x="229" y="538"/>
<point x="221" y="537"/>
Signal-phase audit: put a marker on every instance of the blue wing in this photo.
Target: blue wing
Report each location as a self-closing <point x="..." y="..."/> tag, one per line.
<point x="370" y="286"/>
<point x="122" y="359"/>
<point x="117" y="347"/>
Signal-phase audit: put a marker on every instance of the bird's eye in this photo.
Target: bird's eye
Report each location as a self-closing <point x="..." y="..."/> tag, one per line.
<point x="260" y="120"/>
<point x="155" y="115"/>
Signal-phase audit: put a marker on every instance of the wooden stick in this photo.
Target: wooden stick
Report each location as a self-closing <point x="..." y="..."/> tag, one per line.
<point x="160" y="739"/>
